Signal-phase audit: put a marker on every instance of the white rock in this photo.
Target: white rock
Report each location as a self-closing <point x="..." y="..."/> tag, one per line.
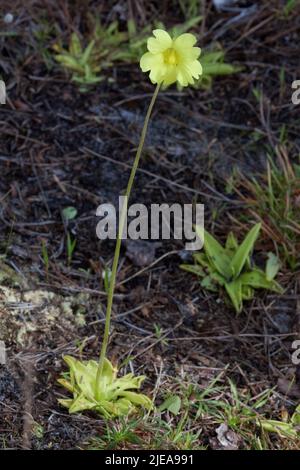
<point x="8" y="18"/>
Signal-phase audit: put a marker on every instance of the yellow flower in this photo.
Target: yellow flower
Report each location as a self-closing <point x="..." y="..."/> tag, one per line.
<point x="170" y="60"/>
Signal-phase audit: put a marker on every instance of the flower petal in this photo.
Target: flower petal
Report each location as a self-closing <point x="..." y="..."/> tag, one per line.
<point x="163" y="37"/>
<point x="170" y="75"/>
<point x="184" y="76"/>
<point x="184" y="41"/>
<point x="160" y="43"/>
<point x="157" y="73"/>
<point x="192" y="54"/>
<point x="148" y="60"/>
<point x="195" y="68"/>
<point x="171" y="60"/>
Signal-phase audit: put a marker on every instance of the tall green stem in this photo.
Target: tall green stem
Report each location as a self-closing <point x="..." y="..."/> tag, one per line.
<point x="119" y="238"/>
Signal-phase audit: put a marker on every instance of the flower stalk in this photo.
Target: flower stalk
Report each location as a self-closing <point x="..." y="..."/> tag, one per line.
<point x="112" y="284"/>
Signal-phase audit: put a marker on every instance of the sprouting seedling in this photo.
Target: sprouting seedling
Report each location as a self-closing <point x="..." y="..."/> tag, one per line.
<point x="159" y="333"/>
<point x="95" y="385"/>
<point x="71" y="244"/>
<point x="69" y="213"/>
<point x="45" y="256"/>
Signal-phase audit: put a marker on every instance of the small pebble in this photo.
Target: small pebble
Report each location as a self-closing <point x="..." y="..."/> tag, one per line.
<point x="8" y="18"/>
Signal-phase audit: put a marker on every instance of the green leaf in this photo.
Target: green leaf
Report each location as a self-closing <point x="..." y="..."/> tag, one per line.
<point x="86" y="55"/>
<point x="202" y="259"/>
<point x="69" y="213"/>
<point x="257" y="279"/>
<point x="212" y="57"/>
<point x="194" y="269"/>
<point x="281" y="428"/>
<point x="137" y="399"/>
<point x="177" y="30"/>
<point x="234" y="290"/>
<point x="220" y="69"/>
<point x="75" y="45"/>
<point x="68" y="61"/>
<point x="208" y="283"/>
<point x="131" y="28"/>
<point x="247" y="292"/>
<point x="216" y="254"/>
<point x="244" y="250"/>
<point x="215" y="276"/>
<point x="231" y="244"/>
<point x="172" y="404"/>
<point x="295" y="419"/>
<point x="272" y="266"/>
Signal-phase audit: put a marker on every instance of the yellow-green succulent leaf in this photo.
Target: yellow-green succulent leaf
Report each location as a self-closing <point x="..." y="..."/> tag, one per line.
<point x="208" y="283"/>
<point x="272" y="266"/>
<point x="244" y="250"/>
<point x="66" y="402"/>
<point x="295" y="419"/>
<point x="257" y="279"/>
<point x="281" y="428"/>
<point x="216" y="255"/>
<point x="137" y="399"/>
<point x="65" y="383"/>
<point x="247" y="292"/>
<point x="87" y="53"/>
<point x="82" y="403"/>
<point x="75" y="45"/>
<point x="84" y="378"/>
<point x="202" y="259"/>
<point x="194" y="269"/>
<point x="231" y="244"/>
<point x="234" y="290"/>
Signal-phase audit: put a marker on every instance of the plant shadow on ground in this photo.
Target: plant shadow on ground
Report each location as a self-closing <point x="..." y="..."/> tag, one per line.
<point x="62" y="148"/>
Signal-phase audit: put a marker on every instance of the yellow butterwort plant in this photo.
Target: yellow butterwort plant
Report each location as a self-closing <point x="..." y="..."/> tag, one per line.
<point x="95" y="386"/>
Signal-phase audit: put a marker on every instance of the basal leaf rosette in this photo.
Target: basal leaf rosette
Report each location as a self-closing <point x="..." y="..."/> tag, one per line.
<point x="111" y="398"/>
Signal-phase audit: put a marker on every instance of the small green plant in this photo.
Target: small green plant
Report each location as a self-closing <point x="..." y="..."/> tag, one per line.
<point x="117" y="435"/>
<point x="71" y="244"/>
<point x="274" y="200"/>
<point x="230" y="267"/>
<point x="111" y="397"/>
<point x="69" y="213"/>
<point x="172" y="404"/>
<point x="159" y="333"/>
<point x="42" y="35"/>
<point x="214" y="65"/>
<point x="289" y="7"/>
<point x="81" y="62"/>
<point x="45" y="256"/>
